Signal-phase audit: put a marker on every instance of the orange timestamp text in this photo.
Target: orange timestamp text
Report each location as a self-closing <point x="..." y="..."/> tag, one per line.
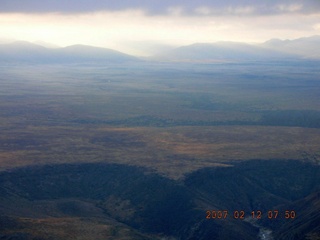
<point x="257" y="214"/>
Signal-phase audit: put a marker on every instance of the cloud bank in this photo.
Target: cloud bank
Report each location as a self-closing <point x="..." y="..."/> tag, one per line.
<point x="156" y="7"/>
<point x="128" y="25"/>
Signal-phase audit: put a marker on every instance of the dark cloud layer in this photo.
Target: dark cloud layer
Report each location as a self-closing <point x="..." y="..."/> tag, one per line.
<point x="161" y="6"/>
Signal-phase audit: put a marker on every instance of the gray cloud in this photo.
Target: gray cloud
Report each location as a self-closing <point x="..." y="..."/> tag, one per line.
<point x="153" y="7"/>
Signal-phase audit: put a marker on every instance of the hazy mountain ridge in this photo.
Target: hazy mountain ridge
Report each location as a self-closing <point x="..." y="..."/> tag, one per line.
<point x="271" y="50"/>
<point x="307" y="47"/>
<point x="224" y="52"/>
<point x="32" y="53"/>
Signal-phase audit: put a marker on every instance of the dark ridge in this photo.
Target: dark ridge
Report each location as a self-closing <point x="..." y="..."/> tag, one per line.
<point x="256" y="184"/>
<point x="292" y="118"/>
<point x="306" y="223"/>
<point x="289" y="118"/>
<point x="157" y="203"/>
<point x="154" y="204"/>
<point x="17" y="236"/>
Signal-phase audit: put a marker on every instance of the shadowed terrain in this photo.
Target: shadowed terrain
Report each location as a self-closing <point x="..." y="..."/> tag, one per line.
<point x="114" y="200"/>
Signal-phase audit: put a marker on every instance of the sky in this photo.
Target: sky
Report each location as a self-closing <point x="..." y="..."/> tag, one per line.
<point x="147" y="26"/>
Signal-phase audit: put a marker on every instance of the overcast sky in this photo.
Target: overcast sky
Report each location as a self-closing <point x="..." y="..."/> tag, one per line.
<point x="136" y="26"/>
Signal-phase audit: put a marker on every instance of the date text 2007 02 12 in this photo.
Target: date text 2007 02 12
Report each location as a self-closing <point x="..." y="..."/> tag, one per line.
<point x="240" y="214"/>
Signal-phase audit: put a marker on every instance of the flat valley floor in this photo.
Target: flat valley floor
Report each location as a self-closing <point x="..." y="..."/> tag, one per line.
<point x="144" y="150"/>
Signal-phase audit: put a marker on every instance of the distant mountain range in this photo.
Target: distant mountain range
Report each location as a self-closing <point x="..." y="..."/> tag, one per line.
<point x="223" y="52"/>
<point x="306" y="47"/>
<point x="272" y="50"/>
<point x="275" y="49"/>
<point x="33" y="53"/>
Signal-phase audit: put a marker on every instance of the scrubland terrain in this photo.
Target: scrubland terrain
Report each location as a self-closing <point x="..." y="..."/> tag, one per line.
<point x="143" y="150"/>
